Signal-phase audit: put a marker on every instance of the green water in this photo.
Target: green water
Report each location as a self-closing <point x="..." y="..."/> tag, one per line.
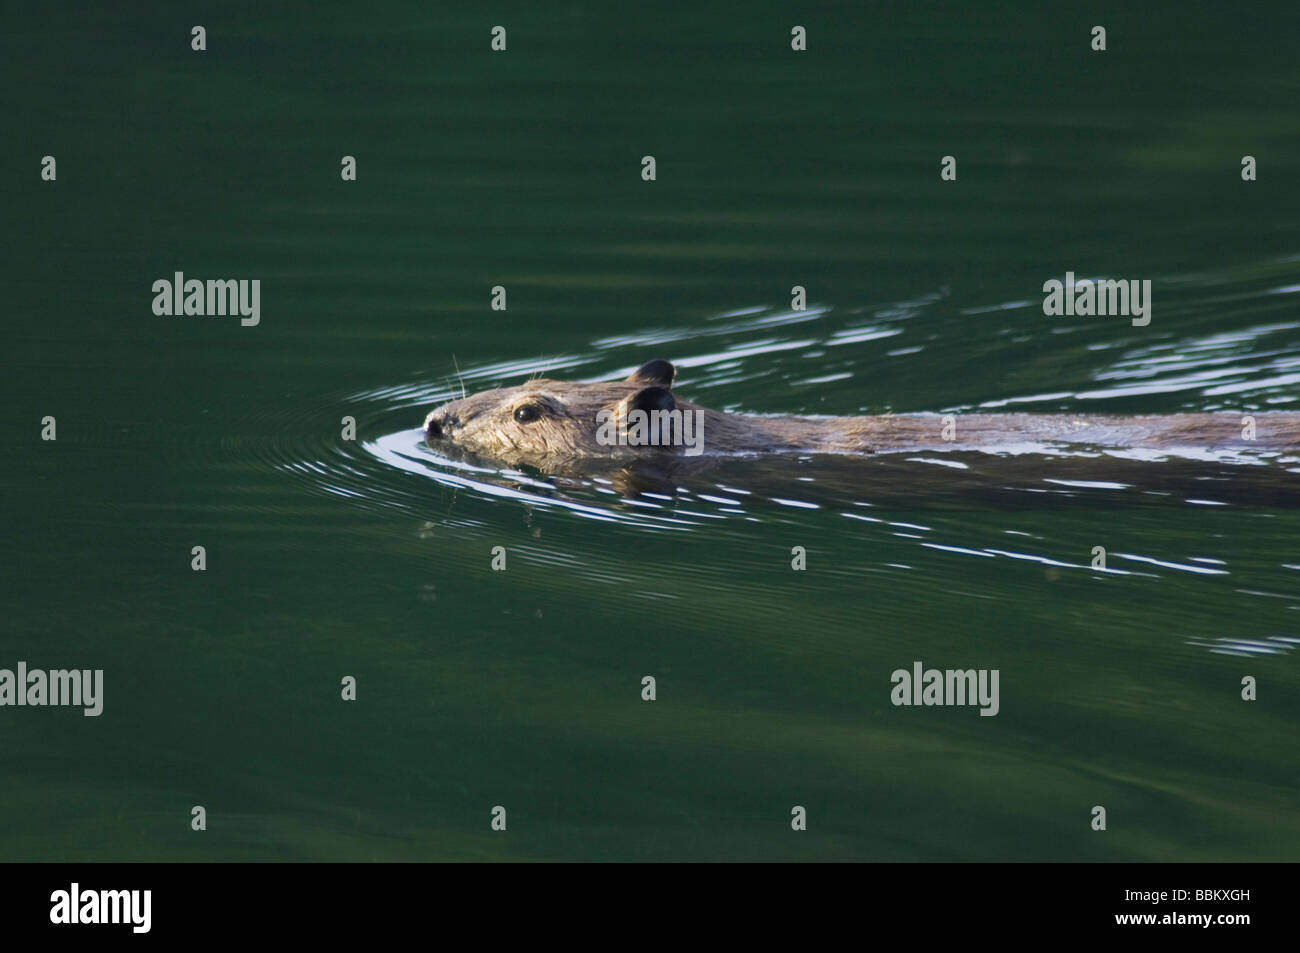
<point x="371" y="558"/>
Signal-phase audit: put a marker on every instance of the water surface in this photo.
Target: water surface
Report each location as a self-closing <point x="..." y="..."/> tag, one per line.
<point x="372" y="558"/>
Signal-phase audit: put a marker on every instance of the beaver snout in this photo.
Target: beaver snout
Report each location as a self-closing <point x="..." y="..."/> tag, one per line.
<point x="438" y="425"/>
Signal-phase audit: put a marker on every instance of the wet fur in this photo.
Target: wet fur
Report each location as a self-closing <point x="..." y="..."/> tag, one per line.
<point x="565" y="428"/>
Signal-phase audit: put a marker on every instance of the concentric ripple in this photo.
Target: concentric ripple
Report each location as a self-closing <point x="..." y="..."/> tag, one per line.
<point x="913" y="513"/>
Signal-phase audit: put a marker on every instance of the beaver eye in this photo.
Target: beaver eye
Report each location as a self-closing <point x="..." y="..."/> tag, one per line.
<point x="527" y="413"/>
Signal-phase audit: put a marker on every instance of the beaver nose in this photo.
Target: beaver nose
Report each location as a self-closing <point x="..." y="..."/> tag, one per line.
<point x="437" y="426"/>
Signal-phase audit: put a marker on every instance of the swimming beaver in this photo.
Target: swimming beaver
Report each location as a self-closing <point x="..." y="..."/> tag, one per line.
<point x="546" y="423"/>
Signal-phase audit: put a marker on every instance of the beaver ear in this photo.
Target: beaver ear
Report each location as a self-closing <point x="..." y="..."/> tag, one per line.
<point x="648" y="399"/>
<point x="656" y="372"/>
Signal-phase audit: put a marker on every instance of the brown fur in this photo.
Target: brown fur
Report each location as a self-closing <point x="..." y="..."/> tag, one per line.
<point x="565" y="426"/>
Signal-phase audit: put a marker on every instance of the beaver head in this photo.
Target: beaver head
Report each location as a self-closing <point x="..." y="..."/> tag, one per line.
<point x="545" y="420"/>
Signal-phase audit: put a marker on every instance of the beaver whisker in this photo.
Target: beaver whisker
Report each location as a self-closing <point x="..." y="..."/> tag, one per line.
<point x="456" y="365"/>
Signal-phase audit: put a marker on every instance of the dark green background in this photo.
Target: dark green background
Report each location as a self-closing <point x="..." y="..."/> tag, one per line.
<point x="521" y="688"/>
